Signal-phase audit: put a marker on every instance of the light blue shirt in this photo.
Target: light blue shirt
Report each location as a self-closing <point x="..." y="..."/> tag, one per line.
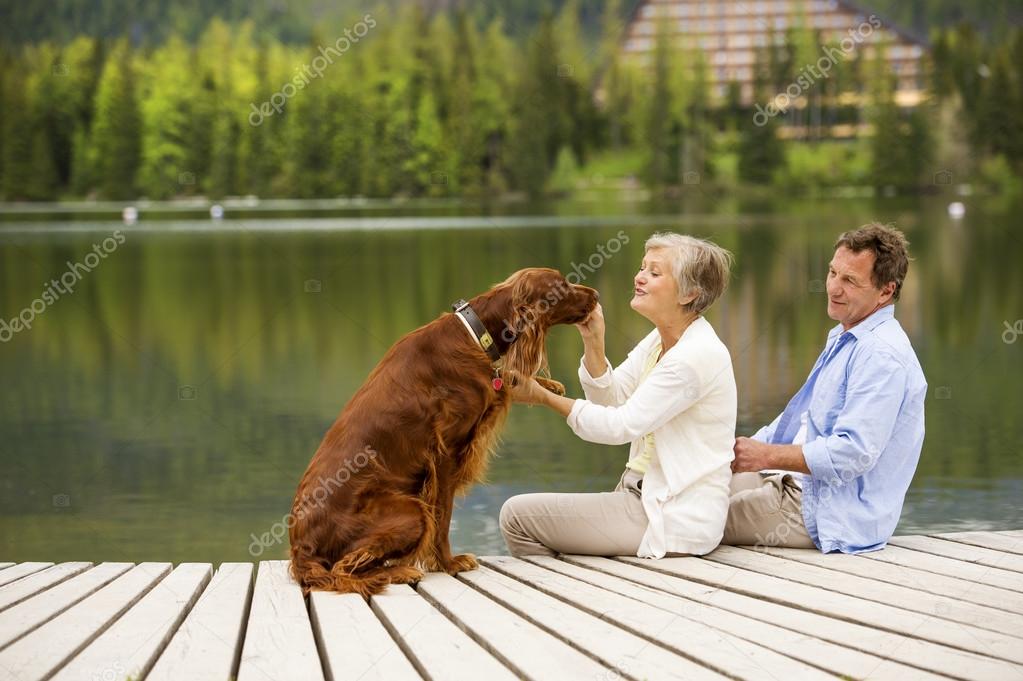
<point x="865" y="428"/>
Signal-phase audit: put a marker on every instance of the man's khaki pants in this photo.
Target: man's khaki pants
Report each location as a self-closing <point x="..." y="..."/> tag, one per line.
<point x="765" y="510"/>
<point x="600" y="524"/>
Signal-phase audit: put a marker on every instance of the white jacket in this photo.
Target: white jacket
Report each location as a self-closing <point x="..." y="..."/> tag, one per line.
<point x="689" y="403"/>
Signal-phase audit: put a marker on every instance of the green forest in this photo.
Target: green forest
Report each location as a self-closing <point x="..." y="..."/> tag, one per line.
<point x="224" y="100"/>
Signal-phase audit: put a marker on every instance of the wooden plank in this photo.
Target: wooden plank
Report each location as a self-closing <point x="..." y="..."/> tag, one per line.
<point x="988" y="540"/>
<point x="1002" y="579"/>
<point x="20" y="570"/>
<point x="5" y="565"/>
<point x="207" y="645"/>
<point x="279" y="640"/>
<point x="964" y="552"/>
<point x="353" y="643"/>
<point x="833" y="604"/>
<point x="959" y="589"/>
<point x="631" y="656"/>
<point x="22" y="618"/>
<point x="902" y="597"/>
<point x="524" y="647"/>
<point x="673" y="629"/>
<point x="48" y="648"/>
<point x="817" y="652"/>
<point x="12" y="594"/>
<point x="905" y="649"/>
<point x="437" y="648"/>
<point x="130" y="645"/>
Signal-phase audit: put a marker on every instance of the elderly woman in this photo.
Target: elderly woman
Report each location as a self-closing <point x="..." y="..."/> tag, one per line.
<point x="673" y="398"/>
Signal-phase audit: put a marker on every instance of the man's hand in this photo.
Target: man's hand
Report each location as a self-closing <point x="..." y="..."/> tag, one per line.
<point x="750" y="455"/>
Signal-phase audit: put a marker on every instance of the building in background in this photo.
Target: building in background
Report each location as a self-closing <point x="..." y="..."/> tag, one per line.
<point x="730" y="33"/>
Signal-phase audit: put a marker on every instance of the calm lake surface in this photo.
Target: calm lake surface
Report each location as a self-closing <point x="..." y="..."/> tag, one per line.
<point x="166" y="408"/>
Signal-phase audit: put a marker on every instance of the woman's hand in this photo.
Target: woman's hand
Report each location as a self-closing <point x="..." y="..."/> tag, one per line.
<point x="530" y="391"/>
<point x="592" y="329"/>
<point x="527" y="391"/>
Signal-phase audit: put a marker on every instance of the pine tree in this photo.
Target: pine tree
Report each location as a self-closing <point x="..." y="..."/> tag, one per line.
<point x="658" y="124"/>
<point x="167" y="114"/>
<point x="538" y="128"/>
<point x="116" y="134"/>
<point x="760" y="151"/>
<point x="427" y="165"/>
<point x="16" y="169"/>
<point x="901" y="145"/>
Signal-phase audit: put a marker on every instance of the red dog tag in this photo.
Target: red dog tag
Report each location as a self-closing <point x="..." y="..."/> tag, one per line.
<point x="497" y="383"/>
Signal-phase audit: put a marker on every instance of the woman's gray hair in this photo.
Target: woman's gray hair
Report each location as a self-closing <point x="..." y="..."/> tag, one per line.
<point x="699" y="266"/>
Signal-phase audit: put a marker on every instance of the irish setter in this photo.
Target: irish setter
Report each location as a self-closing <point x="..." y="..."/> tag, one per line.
<point x="375" y="503"/>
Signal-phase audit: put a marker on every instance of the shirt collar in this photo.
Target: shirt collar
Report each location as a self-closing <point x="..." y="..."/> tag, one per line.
<point x="867" y="325"/>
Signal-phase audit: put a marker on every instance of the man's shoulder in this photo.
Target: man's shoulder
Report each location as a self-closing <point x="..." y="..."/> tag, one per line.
<point x="887" y="344"/>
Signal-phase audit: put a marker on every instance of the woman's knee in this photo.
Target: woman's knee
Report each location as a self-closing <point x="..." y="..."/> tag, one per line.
<point x="510" y="511"/>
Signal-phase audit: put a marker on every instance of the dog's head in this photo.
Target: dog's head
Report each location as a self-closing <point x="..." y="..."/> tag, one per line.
<point x="540" y="297"/>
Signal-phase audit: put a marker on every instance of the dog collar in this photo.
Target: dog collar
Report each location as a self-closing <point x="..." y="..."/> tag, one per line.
<point x="475" y="326"/>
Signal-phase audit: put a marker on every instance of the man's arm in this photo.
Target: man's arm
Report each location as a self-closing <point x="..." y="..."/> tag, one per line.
<point x="752" y="455"/>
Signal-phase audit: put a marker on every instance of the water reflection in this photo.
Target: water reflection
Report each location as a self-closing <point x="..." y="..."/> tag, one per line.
<point x="166" y="408"/>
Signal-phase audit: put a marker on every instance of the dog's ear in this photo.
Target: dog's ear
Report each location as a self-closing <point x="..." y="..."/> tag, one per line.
<point x="527" y="354"/>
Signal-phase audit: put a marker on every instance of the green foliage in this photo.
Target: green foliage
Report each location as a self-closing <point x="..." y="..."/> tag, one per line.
<point x="760" y="150"/>
<point x="421" y="105"/>
<point x="116" y="131"/>
<point x="809" y="167"/>
<point x="566" y="173"/>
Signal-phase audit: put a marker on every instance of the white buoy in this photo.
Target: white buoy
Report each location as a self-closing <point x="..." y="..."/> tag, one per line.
<point x="956" y="210"/>
<point x="129" y="215"/>
<point x="216" y="211"/>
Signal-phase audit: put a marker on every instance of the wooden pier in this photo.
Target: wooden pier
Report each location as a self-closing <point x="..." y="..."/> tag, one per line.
<point x="940" y="606"/>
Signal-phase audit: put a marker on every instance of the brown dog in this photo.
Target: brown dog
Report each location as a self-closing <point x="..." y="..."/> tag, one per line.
<point x="375" y="503"/>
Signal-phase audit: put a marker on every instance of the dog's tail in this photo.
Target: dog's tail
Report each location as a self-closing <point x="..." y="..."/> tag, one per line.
<point x="356" y="572"/>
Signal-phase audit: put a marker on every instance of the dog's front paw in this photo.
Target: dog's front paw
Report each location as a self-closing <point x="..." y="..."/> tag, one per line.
<point x="463" y="562"/>
<point x="552" y="385"/>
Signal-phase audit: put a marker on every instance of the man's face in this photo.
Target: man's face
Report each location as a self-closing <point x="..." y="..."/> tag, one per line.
<point x="852" y="296"/>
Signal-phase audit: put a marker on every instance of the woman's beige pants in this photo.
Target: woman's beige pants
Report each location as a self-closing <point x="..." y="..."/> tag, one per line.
<point x="763" y="510"/>
<point x="594" y="524"/>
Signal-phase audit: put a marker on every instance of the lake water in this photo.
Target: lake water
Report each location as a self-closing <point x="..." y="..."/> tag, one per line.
<point x="166" y="407"/>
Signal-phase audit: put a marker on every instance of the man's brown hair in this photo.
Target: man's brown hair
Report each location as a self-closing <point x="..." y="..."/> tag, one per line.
<point x="890" y="249"/>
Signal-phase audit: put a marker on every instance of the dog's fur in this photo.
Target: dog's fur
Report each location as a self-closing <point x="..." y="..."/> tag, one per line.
<point x="375" y="503"/>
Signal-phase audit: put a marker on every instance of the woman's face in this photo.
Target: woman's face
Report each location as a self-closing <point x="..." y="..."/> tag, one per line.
<point x="656" y="294"/>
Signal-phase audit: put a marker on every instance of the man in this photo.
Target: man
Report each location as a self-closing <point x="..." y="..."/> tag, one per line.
<point x="854" y="430"/>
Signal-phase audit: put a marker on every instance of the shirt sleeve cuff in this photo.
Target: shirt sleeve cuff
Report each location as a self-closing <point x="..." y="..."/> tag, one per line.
<point x="573" y="415"/>
<point x="817" y="460"/>
<point x="604" y="381"/>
